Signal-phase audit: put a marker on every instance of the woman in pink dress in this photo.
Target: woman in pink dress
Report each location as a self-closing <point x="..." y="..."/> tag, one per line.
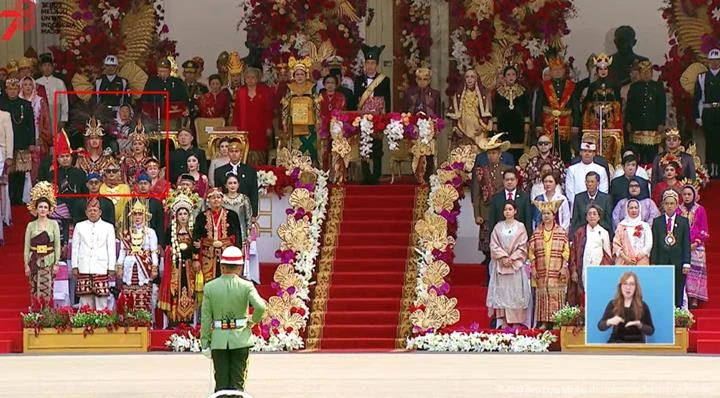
<point x="43" y="131"/>
<point x="633" y="239"/>
<point x="696" y="283"/>
<point x="201" y="180"/>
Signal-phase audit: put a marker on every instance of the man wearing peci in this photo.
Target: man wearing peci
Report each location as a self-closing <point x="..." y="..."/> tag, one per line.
<point x="671" y="242"/>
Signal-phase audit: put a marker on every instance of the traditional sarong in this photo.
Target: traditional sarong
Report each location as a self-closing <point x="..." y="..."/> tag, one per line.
<point x="696" y="283"/>
<point x="141" y="295"/>
<point x="41" y="278"/>
<point x="177" y="291"/>
<point x="92" y="284"/>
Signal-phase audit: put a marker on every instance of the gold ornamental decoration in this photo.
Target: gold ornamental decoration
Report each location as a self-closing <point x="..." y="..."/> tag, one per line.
<point x="444" y="198"/>
<point x="295" y="235"/>
<point x="689" y="29"/>
<point x="690" y="75"/>
<point x="290" y="159"/>
<point x="301" y="197"/>
<point x="285" y="277"/>
<point x="463" y="154"/>
<point x="436" y="273"/>
<point x="432" y="232"/>
<point x="439" y="312"/>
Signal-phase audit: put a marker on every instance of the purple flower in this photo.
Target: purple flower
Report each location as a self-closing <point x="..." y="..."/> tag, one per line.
<point x="295" y="174"/>
<point x="442" y="256"/>
<point x="275" y="322"/>
<point x="77" y="15"/>
<point x="450" y="216"/>
<point x="285" y="256"/>
<point x="458" y="166"/>
<point x="299" y="213"/>
<point x="275" y="285"/>
<point x="291" y="290"/>
<point x="289" y="211"/>
<point x="88" y="16"/>
<point x="474" y="327"/>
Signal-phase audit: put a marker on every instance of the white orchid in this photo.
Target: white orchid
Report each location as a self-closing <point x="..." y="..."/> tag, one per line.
<point x="394" y="134"/>
<point x="535" y="46"/>
<point x="109" y="15"/>
<point x="481" y="342"/>
<point x="366" y="129"/>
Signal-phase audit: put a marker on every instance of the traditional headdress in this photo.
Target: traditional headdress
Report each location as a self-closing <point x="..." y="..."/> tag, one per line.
<point x="143" y="177"/>
<point x="670" y="193"/>
<point x="232" y="256"/>
<point x="235" y="65"/>
<point x="178" y="199"/>
<point x="139" y="208"/>
<point x="333" y="61"/>
<point x="94" y="176"/>
<point x="372" y="52"/>
<point x="41" y="190"/>
<point x="151" y="161"/>
<point x="602" y="60"/>
<point x="303" y="64"/>
<point x="552" y="205"/>
<point x="138" y="134"/>
<point x="199" y="61"/>
<point x="673" y="132"/>
<point x="223" y="57"/>
<point x="12" y="83"/>
<point x="93" y="202"/>
<point x="46" y="58"/>
<point x="12" y="66"/>
<point x="187" y="177"/>
<point x="62" y="144"/>
<point x="234" y="144"/>
<point x="25" y="62"/>
<point x="93" y="128"/>
<point x="494" y="142"/>
<point x="164" y="63"/>
<point x="645" y="65"/>
<point x="423" y="72"/>
<point x="693" y="183"/>
<point x="214" y="192"/>
<point x="588" y="146"/>
<point x="555" y="58"/>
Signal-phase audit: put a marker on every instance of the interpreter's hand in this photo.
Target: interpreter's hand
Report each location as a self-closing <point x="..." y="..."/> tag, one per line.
<point x="575" y="276"/>
<point x="614" y="321"/>
<point x="637" y="324"/>
<point x="479" y="220"/>
<point x="196" y="266"/>
<point x="27" y="270"/>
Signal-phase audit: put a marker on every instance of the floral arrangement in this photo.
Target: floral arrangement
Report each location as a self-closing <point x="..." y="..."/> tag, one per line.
<point x="433" y="309"/>
<point x="287" y="311"/>
<point x="93" y="29"/>
<point x="416" y="39"/>
<point x="476" y="340"/>
<point x="185" y="339"/>
<point x="294" y="27"/>
<point x="273" y="179"/>
<point x="569" y="316"/>
<point x="683" y="318"/>
<point x="492" y="34"/>
<point x="42" y="315"/>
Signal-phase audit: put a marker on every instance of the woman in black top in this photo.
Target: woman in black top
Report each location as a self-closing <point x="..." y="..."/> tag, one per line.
<point x="627" y="313"/>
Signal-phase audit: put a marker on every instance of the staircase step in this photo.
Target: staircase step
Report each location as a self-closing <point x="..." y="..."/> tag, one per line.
<point x="355" y="317"/>
<point x="371" y="190"/>
<point x="14" y="300"/>
<point x="354" y="344"/>
<point x="380" y="239"/>
<point x="369" y="265"/>
<point x="367" y="291"/>
<point x="367" y="278"/>
<point x="709" y="312"/>
<point x="474" y="294"/>
<point x="370" y="226"/>
<point x="15" y="337"/>
<point x="11" y="323"/>
<point x="362" y="304"/>
<point x="378" y="216"/>
<point x="404" y="202"/>
<point x="707" y="323"/>
<point x="369" y="253"/>
<point x="708" y="346"/>
<point x="360" y="331"/>
<point x="6" y="346"/>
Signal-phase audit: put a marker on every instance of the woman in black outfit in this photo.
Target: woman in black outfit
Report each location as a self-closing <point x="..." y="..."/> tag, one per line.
<point x="627" y="313"/>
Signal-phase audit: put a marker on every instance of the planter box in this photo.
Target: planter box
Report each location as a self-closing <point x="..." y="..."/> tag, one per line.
<point x="573" y="340"/>
<point x="49" y="341"/>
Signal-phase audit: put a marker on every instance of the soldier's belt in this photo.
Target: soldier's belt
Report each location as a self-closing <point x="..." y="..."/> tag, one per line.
<point x="711" y="105"/>
<point x="230" y="324"/>
<point x="42" y="249"/>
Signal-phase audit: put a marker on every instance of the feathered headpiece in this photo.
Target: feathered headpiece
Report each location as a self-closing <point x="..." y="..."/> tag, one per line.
<point x="602" y="60"/>
<point x="42" y="189"/>
<point x="555" y="58"/>
<point x="300" y="64"/>
<point x="93" y="128"/>
<point x="552" y="205"/>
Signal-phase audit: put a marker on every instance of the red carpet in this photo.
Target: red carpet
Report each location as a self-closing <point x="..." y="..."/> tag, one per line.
<point x="705" y="335"/>
<point x="467" y="285"/>
<point x="15" y="291"/>
<point x="366" y="286"/>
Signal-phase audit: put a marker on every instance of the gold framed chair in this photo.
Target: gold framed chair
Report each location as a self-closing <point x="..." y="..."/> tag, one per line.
<point x="612" y="142"/>
<point x="203" y="126"/>
<point x="227" y="132"/>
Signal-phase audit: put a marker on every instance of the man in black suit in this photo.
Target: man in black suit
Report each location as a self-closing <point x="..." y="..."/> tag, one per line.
<point x="591" y="196"/>
<point x="619" y="185"/>
<point x="671" y="242"/>
<point x="372" y="95"/>
<point x="178" y="157"/>
<point x="246" y="174"/>
<point x="510" y="192"/>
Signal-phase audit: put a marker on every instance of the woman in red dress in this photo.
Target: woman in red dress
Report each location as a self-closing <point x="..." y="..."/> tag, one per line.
<point x="253" y="113"/>
<point x="330" y="101"/>
<point x="159" y="183"/>
<point x="671" y="180"/>
<point x="216" y="103"/>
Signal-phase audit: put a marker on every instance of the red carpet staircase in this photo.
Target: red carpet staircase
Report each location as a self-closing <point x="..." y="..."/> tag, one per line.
<point x="14" y="288"/>
<point x="364" y="298"/>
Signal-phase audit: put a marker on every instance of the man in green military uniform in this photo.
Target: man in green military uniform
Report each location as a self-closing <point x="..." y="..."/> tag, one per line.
<point x="225" y="327"/>
<point x="195" y="88"/>
<point x="153" y="105"/>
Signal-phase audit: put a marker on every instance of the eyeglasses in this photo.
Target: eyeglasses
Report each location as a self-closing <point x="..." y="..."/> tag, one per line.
<point x="543" y="143"/>
<point x="111" y="171"/>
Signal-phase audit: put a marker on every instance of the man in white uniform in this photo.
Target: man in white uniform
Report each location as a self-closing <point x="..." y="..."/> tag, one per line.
<point x="575" y="180"/>
<point x="93" y="252"/>
<point x="58" y="105"/>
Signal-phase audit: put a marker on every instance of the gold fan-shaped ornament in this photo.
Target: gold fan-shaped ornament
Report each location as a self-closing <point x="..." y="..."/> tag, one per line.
<point x="138" y="31"/>
<point x="344" y="8"/>
<point x="290" y="159"/>
<point x="463" y="154"/>
<point x="690" y="29"/>
<point x="70" y="28"/>
<point x="525" y="158"/>
<point x="135" y="76"/>
<point x="295" y="234"/>
<point x="444" y="198"/>
<point x="439" y="312"/>
<point x="80" y="82"/>
<point x="318" y="54"/>
<point x="42" y="189"/>
<point x="436" y="273"/>
<point x="285" y="276"/>
<point x="690" y="75"/>
<point x="432" y="232"/>
<point x="301" y="197"/>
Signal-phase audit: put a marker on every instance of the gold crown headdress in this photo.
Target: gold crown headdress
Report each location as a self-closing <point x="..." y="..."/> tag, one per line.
<point x="93" y="128"/>
<point x="673" y="132"/>
<point x="552" y="205"/>
<point x="602" y="60"/>
<point x="12" y="66"/>
<point x="693" y="183"/>
<point x="139" y="133"/>
<point x="423" y="72"/>
<point x="300" y="64"/>
<point x="25" y="62"/>
<point x="180" y="199"/>
<point x="42" y="189"/>
<point x="235" y="65"/>
<point x="645" y="65"/>
<point x="139" y="208"/>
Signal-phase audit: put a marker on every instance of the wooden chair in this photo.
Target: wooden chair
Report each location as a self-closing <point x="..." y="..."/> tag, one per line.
<point x="218" y="134"/>
<point x="203" y="127"/>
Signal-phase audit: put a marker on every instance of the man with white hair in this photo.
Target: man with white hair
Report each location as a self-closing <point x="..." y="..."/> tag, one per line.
<point x="707" y="109"/>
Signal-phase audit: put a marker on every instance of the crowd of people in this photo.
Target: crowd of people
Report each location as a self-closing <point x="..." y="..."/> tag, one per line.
<point x="563" y="210"/>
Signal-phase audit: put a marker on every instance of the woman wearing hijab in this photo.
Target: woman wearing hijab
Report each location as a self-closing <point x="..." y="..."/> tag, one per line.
<point x="633" y="237"/>
<point x="43" y="132"/>
<point x="696" y="283"/>
<point x="648" y="208"/>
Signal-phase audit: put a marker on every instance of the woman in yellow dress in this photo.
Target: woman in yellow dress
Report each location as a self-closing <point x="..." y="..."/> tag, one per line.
<point x="42" y="243"/>
<point x="112" y="188"/>
<point x="300" y="110"/>
<point x="549" y="253"/>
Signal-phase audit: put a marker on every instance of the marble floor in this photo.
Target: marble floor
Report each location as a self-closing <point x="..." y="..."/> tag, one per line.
<point x="366" y="375"/>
